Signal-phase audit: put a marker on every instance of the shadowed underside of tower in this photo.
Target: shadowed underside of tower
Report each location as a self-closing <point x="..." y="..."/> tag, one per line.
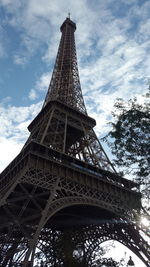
<point x="61" y="194"/>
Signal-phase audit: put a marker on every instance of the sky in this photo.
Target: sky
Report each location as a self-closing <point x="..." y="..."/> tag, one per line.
<point x="113" y="51"/>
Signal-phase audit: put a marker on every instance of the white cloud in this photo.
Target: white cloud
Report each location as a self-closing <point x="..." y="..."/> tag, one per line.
<point x="13" y="130"/>
<point x="33" y="94"/>
<point x="41" y="85"/>
<point x="144" y="28"/>
<point x="43" y="82"/>
<point x="19" y="60"/>
<point x="10" y="150"/>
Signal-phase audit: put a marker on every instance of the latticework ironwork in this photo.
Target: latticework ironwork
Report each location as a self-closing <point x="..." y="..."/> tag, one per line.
<point x="61" y="194"/>
<point x="65" y="83"/>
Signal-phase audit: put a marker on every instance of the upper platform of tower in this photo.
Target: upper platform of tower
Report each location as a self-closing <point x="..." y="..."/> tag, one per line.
<point x="68" y="22"/>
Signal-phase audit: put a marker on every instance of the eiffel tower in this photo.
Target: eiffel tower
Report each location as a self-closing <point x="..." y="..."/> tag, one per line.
<point x="61" y="194"/>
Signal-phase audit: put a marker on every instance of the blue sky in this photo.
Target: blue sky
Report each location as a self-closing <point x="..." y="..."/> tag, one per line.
<point x="113" y="49"/>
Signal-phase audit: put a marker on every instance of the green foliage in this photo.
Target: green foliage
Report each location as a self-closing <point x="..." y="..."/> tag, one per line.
<point x="129" y="138"/>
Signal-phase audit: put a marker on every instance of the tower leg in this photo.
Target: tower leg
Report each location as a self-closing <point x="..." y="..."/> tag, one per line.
<point x="33" y="242"/>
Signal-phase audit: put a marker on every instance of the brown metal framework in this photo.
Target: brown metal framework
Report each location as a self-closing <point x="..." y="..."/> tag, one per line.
<point x="65" y="83"/>
<point x="62" y="191"/>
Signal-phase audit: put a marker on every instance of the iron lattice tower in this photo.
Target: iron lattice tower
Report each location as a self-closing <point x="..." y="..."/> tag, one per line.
<point x="61" y="193"/>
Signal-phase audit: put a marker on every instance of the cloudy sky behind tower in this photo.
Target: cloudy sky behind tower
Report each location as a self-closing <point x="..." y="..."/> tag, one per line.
<point x="113" y="49"/>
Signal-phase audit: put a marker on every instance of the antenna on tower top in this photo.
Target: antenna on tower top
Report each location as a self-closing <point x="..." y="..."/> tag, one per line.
<point x="69" y="15"/>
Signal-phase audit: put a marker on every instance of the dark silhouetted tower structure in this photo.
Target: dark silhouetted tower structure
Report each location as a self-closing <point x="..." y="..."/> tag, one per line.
<point x="61" y="194"/>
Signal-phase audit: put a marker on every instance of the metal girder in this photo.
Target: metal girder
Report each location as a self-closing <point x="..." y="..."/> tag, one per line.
<point x="69" y="132"/>
<point x="65" y="83"/>
<point x="87" y="240"/>
<point x="52" y="182"/>
<point x="62" y="179"/>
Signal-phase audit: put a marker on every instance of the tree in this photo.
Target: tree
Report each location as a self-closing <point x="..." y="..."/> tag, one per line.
<point x="129" y="139"/>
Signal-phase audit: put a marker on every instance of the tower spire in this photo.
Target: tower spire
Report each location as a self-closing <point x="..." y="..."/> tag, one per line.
<point x="69" y="14"/>
<point x="65" y="83"/>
